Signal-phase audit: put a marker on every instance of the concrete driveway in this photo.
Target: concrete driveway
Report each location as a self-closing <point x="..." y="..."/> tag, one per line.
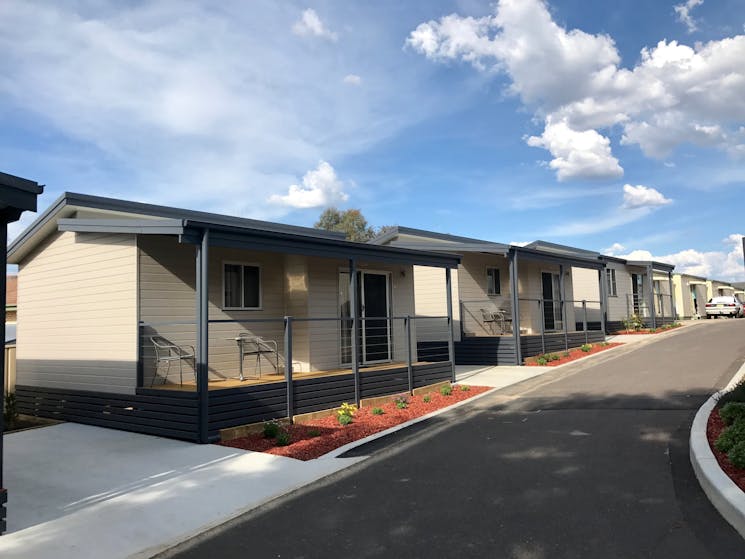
<point x="82" y="491"/>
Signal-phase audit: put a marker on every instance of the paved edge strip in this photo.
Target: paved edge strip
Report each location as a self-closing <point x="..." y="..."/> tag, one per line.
<point x="726" y="497"/>
<point x="354" y="444"/>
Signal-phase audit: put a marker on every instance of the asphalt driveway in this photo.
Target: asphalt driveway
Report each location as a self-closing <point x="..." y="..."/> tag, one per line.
<point x="588" y="461"/>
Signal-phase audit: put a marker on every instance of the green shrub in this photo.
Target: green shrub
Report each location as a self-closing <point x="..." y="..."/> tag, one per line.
<point x="604" y="344"/>
<point x="314" y="432"/>
<point x="377" y="411"/>
<point x="427" y="398"/>
<point x="565" y="354"/>
<point x="344" y="419"/>
<point x="586" y="347"/>
<point x="737" y="394"/>
<point x="283" y="438"/>
<point x="402" y="402"/>
<point x="736" y="454"/>
<point x="552" y="357"/>
<point x="732" y="411"/>
<point x="633" y="322"/>
<point x="653" y="330"/>
<point x="540" y="360"/>
<point x="446" y="390"/>
<point x="464" y="388"/>
<point x="732" y="435"/>
<point x="271" y="429"/>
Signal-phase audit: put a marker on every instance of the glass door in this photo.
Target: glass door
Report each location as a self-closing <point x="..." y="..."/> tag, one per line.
<point x="551" y="302"/>
<point x="373" y="306"/>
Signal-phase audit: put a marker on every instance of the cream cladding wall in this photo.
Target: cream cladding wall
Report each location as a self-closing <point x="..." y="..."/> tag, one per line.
<point x="77" y="313"/>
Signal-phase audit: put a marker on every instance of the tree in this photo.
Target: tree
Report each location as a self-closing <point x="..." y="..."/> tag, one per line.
<point x="350" y="222"/>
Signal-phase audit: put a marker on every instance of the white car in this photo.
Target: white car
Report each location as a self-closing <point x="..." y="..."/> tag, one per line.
<point x="724" y="306"/>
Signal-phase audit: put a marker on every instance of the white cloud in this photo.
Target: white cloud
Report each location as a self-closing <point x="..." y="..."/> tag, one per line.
<point x="352" y="79"/>
<point x="683" y="11"/>
<point x="642" y="196"/>
<point x="321" y="187"/>
<point x="310" y="24"/>
<point x="724" y="265"/>
<point x="614" y="249"/>
<point x="573" y="80"/>
<point x="577" y="155"/>
<point x="141" y="106"/>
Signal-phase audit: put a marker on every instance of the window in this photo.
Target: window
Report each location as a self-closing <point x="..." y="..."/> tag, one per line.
<point x="492" y="281"/>
<point x="241" y="286"/>
<point x="611" y="277"/>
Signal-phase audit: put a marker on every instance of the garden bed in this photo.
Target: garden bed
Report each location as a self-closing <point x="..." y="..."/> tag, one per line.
<point x="714" y="428"/>
<point x="660" y="330"/>
<point x="561" y="357"/>
<point x="320" y="436"/>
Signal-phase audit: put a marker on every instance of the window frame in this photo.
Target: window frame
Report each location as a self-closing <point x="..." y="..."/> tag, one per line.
<point x="610" y="275"/>
<point x="497" y="282"/>
<point x="261" y="286"/>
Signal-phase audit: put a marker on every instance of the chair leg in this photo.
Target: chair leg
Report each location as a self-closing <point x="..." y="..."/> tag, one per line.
<point x="168" y="371"/>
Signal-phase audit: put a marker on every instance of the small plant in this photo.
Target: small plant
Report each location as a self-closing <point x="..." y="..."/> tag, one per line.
<point x="732" y="412"/>
<point x="344" y="419"/>
<point x="271" y="429"/>
<point x="552" y="357"/>
<point x="604" y="344"/>
<point x="283" y="438"/>
<point x="653" y="330"/>
<point x="347" y="409"/>
<point x="377" y="411"/>
<point x="464" y="388"/>
<point x="314" y="432"/>
<point x="446" y="390"/>
<point x="565" y="354"/>
<point x="540" y="360"/>
<point x="736" y="454"/>
<point x="10" y="412"/>
<point x="402" y="402"/>
<point x="586" y="347"/>
<point x="633" y="322"/>
<point x="427" y="398"/>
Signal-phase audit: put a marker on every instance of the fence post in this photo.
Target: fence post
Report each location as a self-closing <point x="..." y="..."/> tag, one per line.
<point x="353" y="311"/>
<point x="584" y="319"/>
<point x="288" y="368"/>
<point x="542" y="321"/>
<point x="409" y="368"/>
<point x="449" y="301"/>
<point x="562" y="298"/>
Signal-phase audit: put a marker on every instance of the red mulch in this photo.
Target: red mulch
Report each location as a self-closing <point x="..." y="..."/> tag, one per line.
<point x="574" y="354"/>
<point x="332" y="435"/>
<point x="714" y="428"/>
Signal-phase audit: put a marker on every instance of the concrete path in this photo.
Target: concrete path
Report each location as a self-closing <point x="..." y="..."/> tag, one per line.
<point x="589" y="460"/>
<point x="78" y="491"/>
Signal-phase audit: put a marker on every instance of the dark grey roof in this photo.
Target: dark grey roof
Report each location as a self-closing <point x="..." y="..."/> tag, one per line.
<point x="399" y="230"/>
<point x="18" y="195"/>
<point x="224" y="231"/>
<point x="658" y="266"/>
<point x="562" y="249"/>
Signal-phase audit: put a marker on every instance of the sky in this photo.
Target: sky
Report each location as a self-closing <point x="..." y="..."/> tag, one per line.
<point x="614" y="127"/>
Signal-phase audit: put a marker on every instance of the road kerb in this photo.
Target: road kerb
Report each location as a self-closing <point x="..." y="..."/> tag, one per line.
<point x="726" y="497"/>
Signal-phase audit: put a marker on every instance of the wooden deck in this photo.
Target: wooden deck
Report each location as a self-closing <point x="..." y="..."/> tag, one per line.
<point x="221" y="384"/>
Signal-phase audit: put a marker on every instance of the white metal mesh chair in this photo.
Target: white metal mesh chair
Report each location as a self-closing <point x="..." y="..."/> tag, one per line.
<point x="166" y="353"/>
<point x="248" y="344"/>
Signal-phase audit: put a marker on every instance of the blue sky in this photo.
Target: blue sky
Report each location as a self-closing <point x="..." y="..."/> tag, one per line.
<point x="619" y="129"/>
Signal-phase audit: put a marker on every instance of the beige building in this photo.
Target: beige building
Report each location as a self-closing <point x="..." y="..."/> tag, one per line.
<point x="691" y="294"/>
<point x="506" y="297"/>
<point x="116" y="297"/>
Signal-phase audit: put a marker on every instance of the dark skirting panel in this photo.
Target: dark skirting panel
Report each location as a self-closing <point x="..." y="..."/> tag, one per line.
<point x="3" y="510"/>
<point x="168" y="414"/>
<point x="173" y="413"/>
<point x="532" y="345"/>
